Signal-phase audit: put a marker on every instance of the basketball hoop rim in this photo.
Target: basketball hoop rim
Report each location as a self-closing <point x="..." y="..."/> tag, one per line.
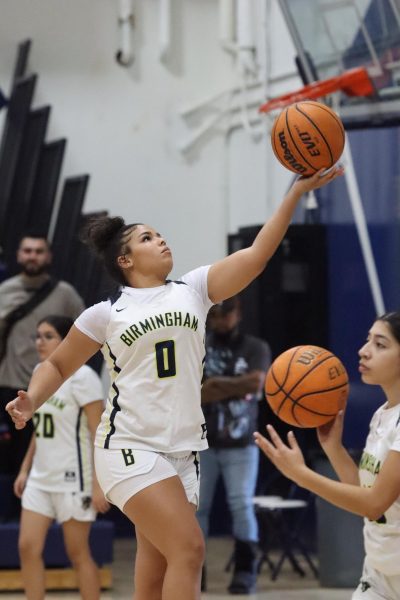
<point x="353" y="82"/>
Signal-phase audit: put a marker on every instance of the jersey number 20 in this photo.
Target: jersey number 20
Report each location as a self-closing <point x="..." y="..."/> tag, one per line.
<point x="44" y="425"/>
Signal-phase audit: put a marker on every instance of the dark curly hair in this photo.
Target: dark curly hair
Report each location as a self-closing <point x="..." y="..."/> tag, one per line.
<point x="108" y="236"/>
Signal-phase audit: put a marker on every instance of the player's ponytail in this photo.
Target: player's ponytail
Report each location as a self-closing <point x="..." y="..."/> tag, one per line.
<point x="107" y="236"/>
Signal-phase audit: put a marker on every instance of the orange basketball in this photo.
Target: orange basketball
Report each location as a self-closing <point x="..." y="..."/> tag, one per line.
<point x="306" y="386"/>
<point x="307" y="136"/>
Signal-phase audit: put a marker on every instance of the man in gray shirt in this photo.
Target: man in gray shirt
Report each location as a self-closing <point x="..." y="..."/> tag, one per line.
<point x="19" y="357"/>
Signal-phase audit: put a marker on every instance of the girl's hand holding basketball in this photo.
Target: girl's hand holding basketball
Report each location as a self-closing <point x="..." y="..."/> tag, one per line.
<point x="20" y="409"/>
<point x="330" y="434"/>
<point x="288" y="459"/>
<point x="319" y="179"/>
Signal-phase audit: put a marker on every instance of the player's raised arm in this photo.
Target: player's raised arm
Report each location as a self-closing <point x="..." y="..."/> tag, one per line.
<point x="233" y="273"/>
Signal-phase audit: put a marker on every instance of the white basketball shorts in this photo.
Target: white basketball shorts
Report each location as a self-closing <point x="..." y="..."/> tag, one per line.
<point x="123" y="473"/>
<point x="61" y="506"/>
<point x="376" y="586"/>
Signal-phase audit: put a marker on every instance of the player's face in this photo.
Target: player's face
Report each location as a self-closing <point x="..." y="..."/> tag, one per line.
<point x="33" y="256"/>
<point x="47" y="340"/>
<point x="380" y="357"/>
<point x="149" y="252"/>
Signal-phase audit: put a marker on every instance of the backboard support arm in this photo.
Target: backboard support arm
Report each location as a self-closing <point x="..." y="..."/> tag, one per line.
<point x="354" y="82"/>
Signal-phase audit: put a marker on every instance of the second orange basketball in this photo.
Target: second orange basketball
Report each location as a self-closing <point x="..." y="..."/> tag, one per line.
<point x="306" y="386"/>
<point x="307" y="136"/>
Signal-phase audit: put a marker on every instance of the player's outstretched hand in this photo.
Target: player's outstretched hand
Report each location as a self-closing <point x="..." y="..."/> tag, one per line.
<point x="288" y="459"/>
<point x="318" y="180"/>
<point x="20" y="409"/>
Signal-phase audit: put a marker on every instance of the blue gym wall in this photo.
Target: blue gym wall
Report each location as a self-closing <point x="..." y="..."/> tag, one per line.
<point x="351" y="311"/>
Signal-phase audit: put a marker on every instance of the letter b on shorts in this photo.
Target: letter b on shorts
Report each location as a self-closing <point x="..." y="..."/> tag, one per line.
<point x="128" y="457"/>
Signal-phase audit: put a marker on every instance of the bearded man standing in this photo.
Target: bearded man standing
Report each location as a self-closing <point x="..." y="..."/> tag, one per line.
<point x="25" y="299"/>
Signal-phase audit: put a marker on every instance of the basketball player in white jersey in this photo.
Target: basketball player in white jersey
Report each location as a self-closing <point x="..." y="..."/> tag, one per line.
<point x="372" y="489"/>
<point x="56" y="476"/>
<point x="152" y="336"/>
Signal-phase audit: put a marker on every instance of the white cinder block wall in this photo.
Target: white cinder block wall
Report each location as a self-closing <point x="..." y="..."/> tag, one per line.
<point x="124" y="127"/>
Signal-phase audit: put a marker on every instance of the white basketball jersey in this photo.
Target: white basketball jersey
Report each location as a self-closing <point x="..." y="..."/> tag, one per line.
<point x="154" y="350"/>
<point x="64" y="457"/>
<point x="382" y="537"/>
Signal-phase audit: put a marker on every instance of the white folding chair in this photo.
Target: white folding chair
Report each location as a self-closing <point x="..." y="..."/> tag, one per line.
<point x="280" y="521"/>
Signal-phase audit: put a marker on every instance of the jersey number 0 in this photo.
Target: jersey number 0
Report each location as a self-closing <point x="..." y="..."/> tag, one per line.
<point x="165" y="358"/>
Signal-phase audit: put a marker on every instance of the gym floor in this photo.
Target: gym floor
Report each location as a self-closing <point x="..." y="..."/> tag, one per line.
<point x="289" y="585"/>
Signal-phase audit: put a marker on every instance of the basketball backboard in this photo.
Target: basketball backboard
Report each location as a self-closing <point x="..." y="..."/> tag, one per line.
<point x="333" y="36"/>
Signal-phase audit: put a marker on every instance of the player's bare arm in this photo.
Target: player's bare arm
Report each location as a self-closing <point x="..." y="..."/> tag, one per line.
<point x="74" y="351"/>
<point x="368" y="502"/>
<point x="232" y="274"/>
<point x="330" y="438"/>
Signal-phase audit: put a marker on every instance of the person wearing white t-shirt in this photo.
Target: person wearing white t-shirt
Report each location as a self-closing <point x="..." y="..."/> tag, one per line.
<point x="56" y="479"/>
<point x="372" y="489"/>
<point x="152" y="336"/>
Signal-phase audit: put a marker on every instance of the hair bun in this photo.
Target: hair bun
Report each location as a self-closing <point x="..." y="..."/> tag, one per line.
<point x="100" y="232"/>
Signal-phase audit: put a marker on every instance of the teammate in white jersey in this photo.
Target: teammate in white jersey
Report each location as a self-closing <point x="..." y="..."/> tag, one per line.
<point x="56" y="476"/>
<point x="152" y="336"/>
<point x="372" y="489"/>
